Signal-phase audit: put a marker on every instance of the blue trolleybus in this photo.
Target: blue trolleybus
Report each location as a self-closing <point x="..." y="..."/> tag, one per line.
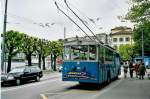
<point x="86" y="61"/>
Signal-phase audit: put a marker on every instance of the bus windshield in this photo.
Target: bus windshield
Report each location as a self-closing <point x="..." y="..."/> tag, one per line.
<point x="82" y="52"/>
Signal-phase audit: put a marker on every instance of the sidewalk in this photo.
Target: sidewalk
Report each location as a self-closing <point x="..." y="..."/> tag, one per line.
<point x="129" y="88"/>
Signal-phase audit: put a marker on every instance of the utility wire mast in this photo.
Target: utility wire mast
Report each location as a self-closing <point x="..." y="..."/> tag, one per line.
<point x="64" y="32"/>
<point x="3" y="56"/>
<point x="142" y="46"/>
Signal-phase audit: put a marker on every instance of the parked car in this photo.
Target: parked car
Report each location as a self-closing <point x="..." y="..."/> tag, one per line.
<point x="21" y="74"/>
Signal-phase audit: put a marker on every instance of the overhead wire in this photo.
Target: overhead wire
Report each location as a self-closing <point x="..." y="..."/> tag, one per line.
<point x="30" y="21"/>
<point x="82" y="21"/>
<point x="84" y="15"/>
<point x="87" y="20"/>
<point x="72" y="20"/>
<point x="100" y="43"/>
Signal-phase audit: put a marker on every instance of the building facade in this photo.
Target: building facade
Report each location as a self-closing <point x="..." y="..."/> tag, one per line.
<point x="105" y="38"/>
<point x="102" y="37"/>
<point x="121" y="35"/>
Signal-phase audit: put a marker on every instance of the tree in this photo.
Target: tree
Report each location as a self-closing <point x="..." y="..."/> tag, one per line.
<point x="45" y="50"/>
<point x="140" y="15"/>
<point x="139" y="11"/>
<point x="13" y="43"/>
<point x="145" y="28"/>
<point x="39" y="51"/>
<point x="57" y="50"/>
<point x="126" y="51"/>
<point x="29" y="47"/>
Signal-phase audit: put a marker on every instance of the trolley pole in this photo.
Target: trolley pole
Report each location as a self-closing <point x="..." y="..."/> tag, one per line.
<point x="3" y="54"/>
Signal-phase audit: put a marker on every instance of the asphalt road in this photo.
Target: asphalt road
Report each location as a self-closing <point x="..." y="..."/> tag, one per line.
<point x="51" y="87"/>
<point x="34" y="89"/>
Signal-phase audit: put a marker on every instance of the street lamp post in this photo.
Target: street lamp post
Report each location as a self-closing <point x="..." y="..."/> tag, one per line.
<point x="3" y="44"/>
<point x="142" y="46"/>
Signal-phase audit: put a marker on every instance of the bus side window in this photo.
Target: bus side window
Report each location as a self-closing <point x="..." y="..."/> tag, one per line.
<point x="92" y="52"/>
<point x="101" y="54"/>
<point x="79" y="52"/>
<point x="66" y="53"/>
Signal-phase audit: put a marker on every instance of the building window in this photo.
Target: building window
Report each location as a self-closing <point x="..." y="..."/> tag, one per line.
<point x="120" y="39"/>
<point x="127" y="39"/>
<point x="114" y="39"/>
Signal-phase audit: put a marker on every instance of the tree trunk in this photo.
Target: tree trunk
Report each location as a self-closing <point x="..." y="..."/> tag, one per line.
<point x="43" y="58"/>
<point x="39" y="60"/>
<point x="9" y="63"/>
<point x="55" y="62"/>
<point x="29" y="59"/>
<point x="52" y="62"/>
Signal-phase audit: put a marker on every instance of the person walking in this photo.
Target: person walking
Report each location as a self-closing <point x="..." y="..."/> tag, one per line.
<point x="142" y="70"/>
<point x="136" y="68"/>
<point x="131" y="69"/>
<point x="125" y="66"/>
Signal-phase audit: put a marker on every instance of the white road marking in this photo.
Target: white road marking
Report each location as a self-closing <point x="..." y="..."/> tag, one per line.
<point x="43" y="96"/>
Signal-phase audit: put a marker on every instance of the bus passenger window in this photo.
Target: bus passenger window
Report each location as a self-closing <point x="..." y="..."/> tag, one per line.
<point x="79" y="52"/>
<point x="66" y="53"/>
<point x="74" y="53"/>
<point x="83" y="52"/>
<point x="92" y="52"/>
<point x="101" y="54"/>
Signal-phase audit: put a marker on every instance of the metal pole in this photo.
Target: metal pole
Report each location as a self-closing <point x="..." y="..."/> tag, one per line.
<point x="64" y="33"/>
<point x="3" y="42"/>
<point x="142" y="47"/>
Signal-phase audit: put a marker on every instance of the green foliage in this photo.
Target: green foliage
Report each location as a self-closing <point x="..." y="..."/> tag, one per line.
<point x="29" y="44"/>
<point x="29" y="47"/>
<point x="140" y="14"/>
<point x="145" y="28"/>
<point x="126" y="51"/>
<point x="57" y="48"/>
<point x="46" y="48"/>
<point x="139" y="11"/>
<point x="16" y="42"/>
<point x="13" y="45"/>
<point x="13" y="41"/>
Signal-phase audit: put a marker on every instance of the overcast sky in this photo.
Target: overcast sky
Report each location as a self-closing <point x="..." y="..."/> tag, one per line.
<point x="41" y="18"/>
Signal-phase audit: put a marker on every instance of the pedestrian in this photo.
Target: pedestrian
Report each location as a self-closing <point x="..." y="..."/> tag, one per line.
<point x="142" y="70"/>
<point x="136" y="68"/>
<point x="125" y="66"/>
<point x="131" y="68"/>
